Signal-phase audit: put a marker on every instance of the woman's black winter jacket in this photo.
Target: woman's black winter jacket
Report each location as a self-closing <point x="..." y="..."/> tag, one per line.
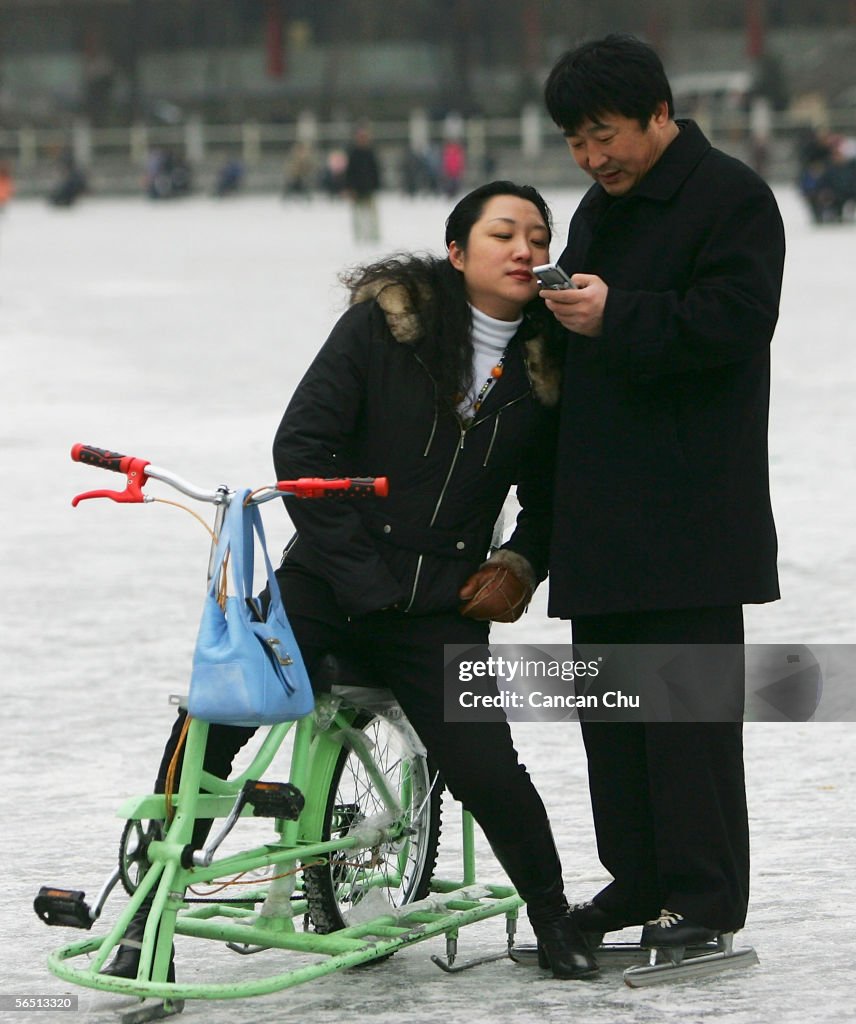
<point x="367" y="406"/>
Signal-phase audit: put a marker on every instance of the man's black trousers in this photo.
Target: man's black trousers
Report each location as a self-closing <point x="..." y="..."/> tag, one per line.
<point x="668" y="798"/>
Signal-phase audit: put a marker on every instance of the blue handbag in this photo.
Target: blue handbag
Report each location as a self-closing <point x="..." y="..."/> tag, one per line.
<point x="247" y="669"/>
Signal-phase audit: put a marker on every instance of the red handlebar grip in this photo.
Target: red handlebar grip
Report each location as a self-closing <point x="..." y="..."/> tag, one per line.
<point x="377" y="485"/>
<point x="134" y="468"/>
<point x="101" y="458"/>
<point x="321" y="487"/>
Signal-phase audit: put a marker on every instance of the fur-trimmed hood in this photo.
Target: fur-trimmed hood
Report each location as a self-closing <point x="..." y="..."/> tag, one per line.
<point x="403" y="321"/>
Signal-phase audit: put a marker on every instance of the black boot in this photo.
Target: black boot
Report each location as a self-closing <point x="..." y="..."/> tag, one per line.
<point x="535" y="871"/>
<point x="126" y="962"/>
<point x="563" y="948"/>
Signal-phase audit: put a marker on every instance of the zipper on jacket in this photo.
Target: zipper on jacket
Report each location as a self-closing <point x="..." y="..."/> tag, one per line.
<point x="492" y="439"/>
<point x="434" y="516"/>
<point x="458" y="449"/>
<point x="502" y="408"/>
<point x="496" y="416"/>
<point x="445" y="486"/>
<point x="436" y="405"/>
<point x="415" y="584"/>
<point x="433" y="432"/>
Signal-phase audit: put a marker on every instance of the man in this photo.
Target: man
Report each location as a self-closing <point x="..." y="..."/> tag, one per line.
<point x="362" y="181"/>
<point x="663" y="527"/>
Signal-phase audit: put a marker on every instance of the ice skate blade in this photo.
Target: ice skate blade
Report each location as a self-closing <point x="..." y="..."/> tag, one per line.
<point x="690" y="968"/>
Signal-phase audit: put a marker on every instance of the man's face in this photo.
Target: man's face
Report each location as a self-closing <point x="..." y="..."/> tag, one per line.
<point x="617" y="151"/>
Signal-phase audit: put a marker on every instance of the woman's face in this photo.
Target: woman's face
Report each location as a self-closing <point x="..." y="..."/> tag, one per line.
<point x="508" y="239"/>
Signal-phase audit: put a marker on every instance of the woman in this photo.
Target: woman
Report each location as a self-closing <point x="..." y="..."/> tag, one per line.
<point x="438" y="377"/>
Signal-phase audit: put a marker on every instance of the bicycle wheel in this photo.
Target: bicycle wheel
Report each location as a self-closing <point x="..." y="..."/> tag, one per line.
<point x="400" y="871"/>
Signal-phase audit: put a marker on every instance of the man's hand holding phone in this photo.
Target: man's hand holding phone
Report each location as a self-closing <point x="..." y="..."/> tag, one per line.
<point x="577" y="304"/>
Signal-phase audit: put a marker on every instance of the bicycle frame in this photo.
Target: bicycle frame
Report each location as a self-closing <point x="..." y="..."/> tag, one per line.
<point x="297" y="838"/>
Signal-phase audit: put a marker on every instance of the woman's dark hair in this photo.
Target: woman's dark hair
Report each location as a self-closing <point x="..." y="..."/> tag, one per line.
<point x="618" y="74"/>
<point x="438" y="297"/>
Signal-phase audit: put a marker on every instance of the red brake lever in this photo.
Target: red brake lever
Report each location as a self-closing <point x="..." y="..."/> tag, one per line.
<point x="133" y="493"/>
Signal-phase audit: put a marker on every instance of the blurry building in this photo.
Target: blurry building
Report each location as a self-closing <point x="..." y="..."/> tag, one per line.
<point x="121" y="61"/>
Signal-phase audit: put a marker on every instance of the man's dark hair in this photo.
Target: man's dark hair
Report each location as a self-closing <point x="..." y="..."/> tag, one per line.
<point x="618" y="74"/>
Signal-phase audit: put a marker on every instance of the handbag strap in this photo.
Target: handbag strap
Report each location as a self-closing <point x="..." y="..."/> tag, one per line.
<point x="241" y="525"/>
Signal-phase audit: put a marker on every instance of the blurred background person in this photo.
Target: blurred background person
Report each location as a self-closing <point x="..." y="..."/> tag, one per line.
<point x="827" y="175"/>
<point x="418" y="174"/>
<point x="333" y="175"/>
<point x="453" y="166"/>
<point x="362" y="181"/>
<point x="300" y="171"/>
<point x="167" y="175"/>
<point x="230" y="177"/>
<point x="72" y="181"/>
<point x="7" y="185"/>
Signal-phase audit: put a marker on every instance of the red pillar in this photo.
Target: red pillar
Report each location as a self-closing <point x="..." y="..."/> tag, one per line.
<point x="755" y="28"/>
<point x="274" y="39"/>
<point x="532" y="33"/>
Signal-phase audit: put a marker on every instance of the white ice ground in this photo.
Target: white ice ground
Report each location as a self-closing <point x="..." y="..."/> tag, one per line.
<point x="177" y="333"/>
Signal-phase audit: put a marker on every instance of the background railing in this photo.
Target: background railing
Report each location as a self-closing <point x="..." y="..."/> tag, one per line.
<point x="528" y="147"/>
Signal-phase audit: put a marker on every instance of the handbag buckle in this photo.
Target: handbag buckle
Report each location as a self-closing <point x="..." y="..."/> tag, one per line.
<point x="283" y="657"/>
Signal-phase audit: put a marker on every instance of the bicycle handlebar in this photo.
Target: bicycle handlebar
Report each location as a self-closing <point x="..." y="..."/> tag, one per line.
<point x="325" y="487"/>
<point x="135" y="469"/>
<point x="138" y="471"/>
<point x="102" y="458"/>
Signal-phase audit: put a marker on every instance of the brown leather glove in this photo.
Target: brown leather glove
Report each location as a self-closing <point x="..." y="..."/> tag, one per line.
<point x="495" y="593"/>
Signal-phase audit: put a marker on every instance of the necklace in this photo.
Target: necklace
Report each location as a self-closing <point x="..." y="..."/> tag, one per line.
<point x="495" y="374"/>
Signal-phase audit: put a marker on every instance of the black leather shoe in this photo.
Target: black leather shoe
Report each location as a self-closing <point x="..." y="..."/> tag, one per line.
<point x="595" y="921"/>
<point x="671" y="929"/>
<point x="591" y="917"/>
<point x="563" y="949"/>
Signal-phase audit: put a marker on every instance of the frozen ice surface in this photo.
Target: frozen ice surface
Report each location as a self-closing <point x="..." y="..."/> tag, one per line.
<point x="177" y="332"/>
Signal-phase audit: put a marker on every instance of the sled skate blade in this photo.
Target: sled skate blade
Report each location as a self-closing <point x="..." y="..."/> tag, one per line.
<point x="477" y="962"/>
<point x="245" y="949"/>
<point x="609" y="954"/>
<point x="450" y="967"/>
<point x="690" y="967"/>
<point x="153" y="1010"/>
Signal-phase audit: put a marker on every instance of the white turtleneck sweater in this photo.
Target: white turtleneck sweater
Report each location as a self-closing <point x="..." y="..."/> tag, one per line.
<point x="490" y="338"/>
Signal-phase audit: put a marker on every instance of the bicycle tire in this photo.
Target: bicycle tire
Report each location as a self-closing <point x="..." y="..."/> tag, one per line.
<point x="334" y="889"/>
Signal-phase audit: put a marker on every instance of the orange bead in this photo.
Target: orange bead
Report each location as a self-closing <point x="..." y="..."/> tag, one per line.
<point x="496" y="371"/>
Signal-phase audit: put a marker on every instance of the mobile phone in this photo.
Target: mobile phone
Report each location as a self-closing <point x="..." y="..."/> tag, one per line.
<point x="552" y="277"/>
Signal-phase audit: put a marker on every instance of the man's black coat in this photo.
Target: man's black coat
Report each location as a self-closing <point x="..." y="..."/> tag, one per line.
<point x="662" y="489"/>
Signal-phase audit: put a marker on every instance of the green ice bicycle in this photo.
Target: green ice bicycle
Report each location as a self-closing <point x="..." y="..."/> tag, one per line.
<point x="345" y="875"/>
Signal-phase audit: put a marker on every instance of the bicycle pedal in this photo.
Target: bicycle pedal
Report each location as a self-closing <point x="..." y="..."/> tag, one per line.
<point x="64" y="907"/>
<point x="274" y="799"/>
